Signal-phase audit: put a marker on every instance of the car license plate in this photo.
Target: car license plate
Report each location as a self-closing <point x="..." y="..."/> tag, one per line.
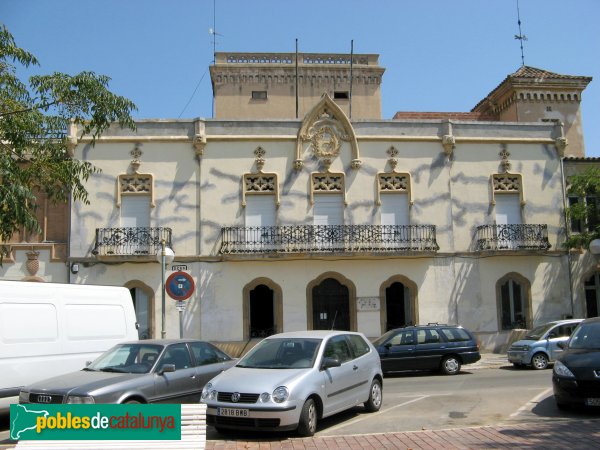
<point x="232" y="412"/>
<point x="592" y="401"/>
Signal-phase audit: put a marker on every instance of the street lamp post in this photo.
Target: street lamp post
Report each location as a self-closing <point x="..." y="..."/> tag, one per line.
<point x="164" y="257"/>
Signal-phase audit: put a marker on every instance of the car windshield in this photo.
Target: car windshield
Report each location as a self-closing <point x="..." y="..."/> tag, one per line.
<point x="282" y="353"/>
<point x="538" y="332"/>
<point x="384" y="337"/>
<point x="586" y="336"/>
<point x="127" y="358"/>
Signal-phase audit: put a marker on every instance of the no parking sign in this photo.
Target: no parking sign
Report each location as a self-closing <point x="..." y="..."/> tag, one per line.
<point x="180" y="286"/>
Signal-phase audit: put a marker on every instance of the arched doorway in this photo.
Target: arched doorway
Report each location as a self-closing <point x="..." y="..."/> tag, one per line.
<point x="143" y="303"/>
<point x="397" y="306"/>
<point x="398" y="303"/>
<point x="592" y="295"/>
<point x="330" y="306"/>
<point x="262" y="308"/>
<point x="262" y="312"/>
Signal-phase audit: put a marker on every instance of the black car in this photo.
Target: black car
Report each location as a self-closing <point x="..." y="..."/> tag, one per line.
<point x="576" y="373"/>
<point x="427" y="347"/>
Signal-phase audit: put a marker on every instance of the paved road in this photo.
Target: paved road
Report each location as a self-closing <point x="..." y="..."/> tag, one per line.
<point x="476" y="409"/>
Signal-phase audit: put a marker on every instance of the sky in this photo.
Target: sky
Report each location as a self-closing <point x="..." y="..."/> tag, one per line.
<point x="439" y="55"/>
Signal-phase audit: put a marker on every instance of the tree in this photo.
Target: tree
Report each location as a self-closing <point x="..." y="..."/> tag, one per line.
<point x="584" y="208"/>
<point x="34" y="118"/>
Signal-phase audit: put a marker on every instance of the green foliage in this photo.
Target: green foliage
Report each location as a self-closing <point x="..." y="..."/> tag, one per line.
<point x="586" y="187"/>
<point x="34" y="119"/>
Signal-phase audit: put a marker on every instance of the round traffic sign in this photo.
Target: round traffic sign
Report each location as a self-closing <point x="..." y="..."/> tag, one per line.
<point x="180" y="286"/>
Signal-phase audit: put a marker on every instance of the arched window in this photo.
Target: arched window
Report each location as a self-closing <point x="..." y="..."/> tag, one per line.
<point x="514" y="302"/>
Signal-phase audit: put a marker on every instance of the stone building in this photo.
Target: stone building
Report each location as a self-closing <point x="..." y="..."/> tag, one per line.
<point x="298" y="207"/>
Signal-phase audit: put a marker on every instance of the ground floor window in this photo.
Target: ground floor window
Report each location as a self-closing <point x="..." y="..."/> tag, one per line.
<point x="592" y="295"/>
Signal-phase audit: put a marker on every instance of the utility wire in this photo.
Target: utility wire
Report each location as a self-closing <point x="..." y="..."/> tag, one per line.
<point x="193" y="93"/>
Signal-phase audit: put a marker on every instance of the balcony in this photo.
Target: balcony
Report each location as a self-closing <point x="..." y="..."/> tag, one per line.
<point x="512" y="237"/>
<point x="329" y="239"/>
<point x="123" y="243"/>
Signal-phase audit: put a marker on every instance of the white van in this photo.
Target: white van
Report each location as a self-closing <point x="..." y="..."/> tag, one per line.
<point x="48" y="329"/>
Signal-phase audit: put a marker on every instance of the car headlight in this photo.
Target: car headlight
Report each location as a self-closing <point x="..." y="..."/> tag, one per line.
<point x="206" y="390"/>
<point x="265" y="397"/>
<point x="562" y="371"/>
<point x="80" y="400"/>
<point x="24" y="396"/>
<point x="526" y="347"/>
<point x="280" y="394"/>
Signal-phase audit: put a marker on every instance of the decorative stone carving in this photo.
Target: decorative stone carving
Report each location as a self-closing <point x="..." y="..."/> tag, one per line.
<point x="561" y="144"/>
<point x="260" y="182"/>
<point x="505" y="163"/>
<point x="325" y="182"/>
<point x="199" y="140"/>
<point x="33" y="262"/>
<point x="326" y="127"/>
<point x="260" y="161"/>
<point x="136" y="153"/>
<point x="507" y="183"/>
<point x="449" y="143"/>
<point x="136" y="184"/>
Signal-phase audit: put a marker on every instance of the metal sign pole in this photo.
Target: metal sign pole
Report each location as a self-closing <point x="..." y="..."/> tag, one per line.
<point x="180" y="305"/>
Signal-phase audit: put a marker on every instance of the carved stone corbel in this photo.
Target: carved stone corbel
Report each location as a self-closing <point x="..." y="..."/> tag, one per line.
<point x="561" y="144"/>
<point x="449" y="143"/>
<point x="356" y="163"/>
<point x="199" y="141"/>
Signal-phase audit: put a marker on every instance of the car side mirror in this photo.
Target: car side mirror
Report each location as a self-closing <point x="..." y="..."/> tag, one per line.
<point x="562" y="344"/>
<point x="87" y="363"/>
<point x="551" y="335"/>
<point x="330" y="362"/>
<point x="388" y="345"/>
<point x="166" y="368"/>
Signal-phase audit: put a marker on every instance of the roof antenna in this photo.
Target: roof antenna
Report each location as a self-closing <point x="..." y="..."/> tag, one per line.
<point x="213" y="32"/>
<point x="521" y="37"/>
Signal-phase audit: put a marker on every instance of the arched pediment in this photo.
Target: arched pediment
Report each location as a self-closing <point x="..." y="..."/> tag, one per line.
<point x="326" y="127"/>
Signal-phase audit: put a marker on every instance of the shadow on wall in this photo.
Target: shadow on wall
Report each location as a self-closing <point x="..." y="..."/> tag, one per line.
<point x="498" y="342"/>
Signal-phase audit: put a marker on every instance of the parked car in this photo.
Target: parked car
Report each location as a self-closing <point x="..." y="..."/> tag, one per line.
<point x="576" y="373"/>
<point x="290" y="381"/>
<point x="540" y="346"/>
<point x="427" y="347"/>
<point x="149" y="371"/>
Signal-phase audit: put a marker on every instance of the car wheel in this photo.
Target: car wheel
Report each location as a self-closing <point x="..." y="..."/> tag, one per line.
<point x="133" y="402"/>
<point x="308" y="419"/>
<point x="450" y="365"/>
<point x="539" y="361"/>
<point x="375" y="397"/>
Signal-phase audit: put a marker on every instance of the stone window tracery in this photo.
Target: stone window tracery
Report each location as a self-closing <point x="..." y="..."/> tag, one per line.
<point x="135" y="183"/>
<point x="506" y="182"/>
<point x="393" y="182"/>
<point x="260" y="183"/>
<point x="327" y="183"/>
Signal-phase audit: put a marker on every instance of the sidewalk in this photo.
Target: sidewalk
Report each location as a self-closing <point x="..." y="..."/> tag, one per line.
<point x="574" y="435"/>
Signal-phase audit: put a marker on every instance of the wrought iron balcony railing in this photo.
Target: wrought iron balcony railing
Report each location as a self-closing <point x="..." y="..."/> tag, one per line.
<point x="130" y="241"/>
<point x="328" y="239"/>
<point x="512" y="237"/>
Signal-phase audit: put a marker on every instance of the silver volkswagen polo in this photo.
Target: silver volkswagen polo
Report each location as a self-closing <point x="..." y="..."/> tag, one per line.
<point x="289" y="381"/>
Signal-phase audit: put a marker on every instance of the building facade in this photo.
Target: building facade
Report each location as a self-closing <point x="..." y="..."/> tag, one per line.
<point x="298" y="207"/>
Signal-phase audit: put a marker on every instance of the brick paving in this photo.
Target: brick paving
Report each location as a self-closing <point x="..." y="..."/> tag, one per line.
<point x="572" y="435"/>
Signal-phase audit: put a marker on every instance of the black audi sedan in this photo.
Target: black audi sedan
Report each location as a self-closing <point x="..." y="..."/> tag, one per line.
<point x="576" y="373"/>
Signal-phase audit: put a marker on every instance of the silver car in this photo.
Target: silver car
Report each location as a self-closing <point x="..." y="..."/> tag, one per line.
<point x="149" y="371"/>
<point x="289" y="381"/>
